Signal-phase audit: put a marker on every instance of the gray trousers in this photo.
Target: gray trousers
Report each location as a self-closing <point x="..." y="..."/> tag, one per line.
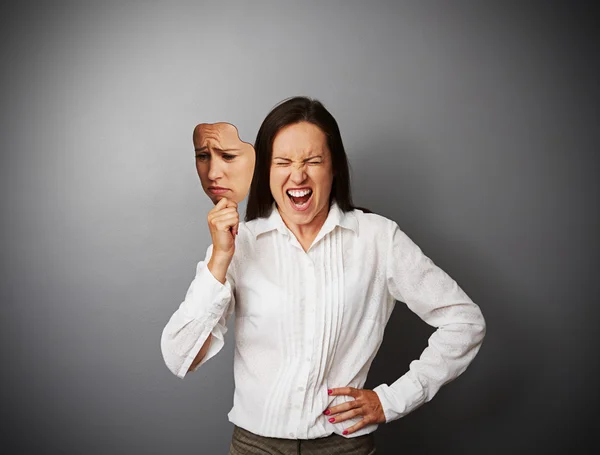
<point x="246" y="443"/>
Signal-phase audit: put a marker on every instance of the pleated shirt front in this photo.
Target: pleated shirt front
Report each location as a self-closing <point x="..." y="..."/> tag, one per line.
<point x="309" y="321"/>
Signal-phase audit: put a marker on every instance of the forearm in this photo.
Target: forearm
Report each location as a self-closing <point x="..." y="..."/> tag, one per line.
<point x="203" y="351"/>
<point x="196" y="331"/>
<point x="218" y="267"/>
<point x="451" y="348"/>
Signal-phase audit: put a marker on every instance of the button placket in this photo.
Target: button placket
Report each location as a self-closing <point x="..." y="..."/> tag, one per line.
<point x="307" y="301"/>
<point x="316" y="325"/>
<point x="310" y="294"/>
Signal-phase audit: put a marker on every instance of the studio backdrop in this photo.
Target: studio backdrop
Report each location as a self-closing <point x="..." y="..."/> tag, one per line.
<point x="473" y="125"/>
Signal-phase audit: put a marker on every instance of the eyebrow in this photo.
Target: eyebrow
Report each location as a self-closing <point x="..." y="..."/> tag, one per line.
<point x="306" y="159"/>
<point x="202" y="149"/>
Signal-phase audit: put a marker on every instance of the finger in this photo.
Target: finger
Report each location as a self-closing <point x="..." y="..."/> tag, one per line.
<point x="342" y="407"/>
<point x="235" y="229"/>
<point x="350" y="391"/>
<point x="346" y="415"/>
<point x="226" y="216"/>
<point x="221" y="204"/>
<point x="357" y="426"/>
<point x="226" y="224"/>
<point x="227" y="211"/>
<point x="215" y="212"/>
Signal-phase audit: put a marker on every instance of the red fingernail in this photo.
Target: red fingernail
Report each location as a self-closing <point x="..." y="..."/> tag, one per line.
<point x="327" y="412"/>
<point x="345" y="432"/>
<point x="332" y="420"/>
<point x="329" y="392"/>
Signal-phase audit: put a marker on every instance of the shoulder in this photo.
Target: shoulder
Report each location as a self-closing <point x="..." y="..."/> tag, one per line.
<point x="386" y="236"/>
<point x="373" y="224"/>
<point x="379" y="230"/>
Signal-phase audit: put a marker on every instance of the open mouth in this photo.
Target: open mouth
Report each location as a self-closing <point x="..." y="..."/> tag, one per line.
<point x="300" y="199"/>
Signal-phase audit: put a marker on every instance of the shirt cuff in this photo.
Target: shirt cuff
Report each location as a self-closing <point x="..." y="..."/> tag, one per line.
<point x="402" y="397"/>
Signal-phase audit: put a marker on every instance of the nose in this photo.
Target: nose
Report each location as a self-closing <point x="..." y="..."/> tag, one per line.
<point x="298" y="174"/>
<point x="215" y="170"/>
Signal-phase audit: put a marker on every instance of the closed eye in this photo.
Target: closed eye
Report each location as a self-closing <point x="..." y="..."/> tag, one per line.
<point x="228" y="157"/>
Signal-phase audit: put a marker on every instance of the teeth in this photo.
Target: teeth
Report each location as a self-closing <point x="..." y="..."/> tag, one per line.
<point x="298" y="193"/>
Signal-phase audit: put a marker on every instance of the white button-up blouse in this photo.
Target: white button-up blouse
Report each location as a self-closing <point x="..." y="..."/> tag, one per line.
<point x="309" y="321"/>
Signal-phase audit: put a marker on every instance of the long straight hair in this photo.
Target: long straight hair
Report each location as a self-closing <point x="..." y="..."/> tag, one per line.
<point x="289" y="112"/>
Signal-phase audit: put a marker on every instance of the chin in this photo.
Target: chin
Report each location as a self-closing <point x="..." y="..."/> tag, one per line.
<point x="301" y="218"/>
<point x="215" y="199"/>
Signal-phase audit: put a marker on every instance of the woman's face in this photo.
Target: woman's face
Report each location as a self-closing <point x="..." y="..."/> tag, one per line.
<point x="301" y="173"/>
<point x="224" y="163"/>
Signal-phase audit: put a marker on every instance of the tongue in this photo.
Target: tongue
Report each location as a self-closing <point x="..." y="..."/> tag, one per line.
<point x="300" y="200"/>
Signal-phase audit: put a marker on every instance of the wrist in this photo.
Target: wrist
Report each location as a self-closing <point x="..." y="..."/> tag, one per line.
<point x="221" y="259"/>
<point x="218" y="265"/>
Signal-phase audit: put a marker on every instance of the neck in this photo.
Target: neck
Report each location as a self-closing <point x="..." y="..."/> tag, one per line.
<point x="306" y="233"/>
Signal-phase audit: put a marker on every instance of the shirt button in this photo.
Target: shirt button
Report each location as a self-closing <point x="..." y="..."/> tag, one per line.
<point x="301" y="389"/>
<point x="297" y="407"/>
<point x="291" y="435"/>
<point x="308" y="359"/>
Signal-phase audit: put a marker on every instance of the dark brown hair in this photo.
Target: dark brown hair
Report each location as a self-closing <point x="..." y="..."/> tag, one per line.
<point x="289" y="112"/>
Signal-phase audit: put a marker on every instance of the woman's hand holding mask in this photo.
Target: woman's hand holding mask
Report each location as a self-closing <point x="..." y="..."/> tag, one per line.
<point x="223" y="223"/>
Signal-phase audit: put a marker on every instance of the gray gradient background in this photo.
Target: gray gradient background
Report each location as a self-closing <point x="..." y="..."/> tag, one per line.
<point x="474" y="126"/>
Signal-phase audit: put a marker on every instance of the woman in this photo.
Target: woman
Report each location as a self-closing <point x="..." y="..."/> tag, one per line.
<point x="313" y="282"/>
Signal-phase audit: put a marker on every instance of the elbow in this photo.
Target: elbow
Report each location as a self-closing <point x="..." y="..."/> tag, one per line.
<point x="482" y="326"/>
<point x="473" y="326"/>
<point x="479" y="329"/>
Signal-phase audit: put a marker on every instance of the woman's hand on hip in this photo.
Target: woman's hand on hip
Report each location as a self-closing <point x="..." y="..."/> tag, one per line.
<point x="366" y="404"/>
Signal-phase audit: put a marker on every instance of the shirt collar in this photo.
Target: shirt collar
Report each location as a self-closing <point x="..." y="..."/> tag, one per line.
<point x="335" y="217"/>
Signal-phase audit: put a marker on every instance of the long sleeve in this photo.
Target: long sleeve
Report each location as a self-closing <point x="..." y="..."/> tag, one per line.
<point x="207" y="306"/>
<point x="438" y="300"/>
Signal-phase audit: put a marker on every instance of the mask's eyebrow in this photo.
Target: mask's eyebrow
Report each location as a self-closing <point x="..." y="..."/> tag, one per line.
<point x="202" y="149"/>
